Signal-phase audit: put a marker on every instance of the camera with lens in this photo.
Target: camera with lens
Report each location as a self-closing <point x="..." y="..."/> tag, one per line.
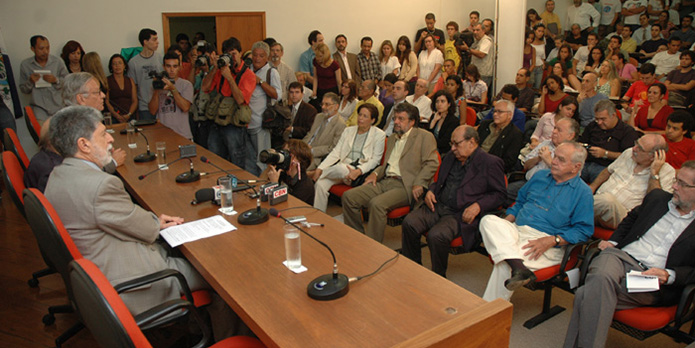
<point x="202" y="60"/>
<point x="279" y="158"/>
<point x="226" y="60"/>
<point x="157" y="78"/>
<point x="466" y="36"/>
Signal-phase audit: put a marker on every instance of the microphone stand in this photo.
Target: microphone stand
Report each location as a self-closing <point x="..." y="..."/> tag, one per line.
<point x="189" y="176"/>
<point x="252" y="216"/>
<point x="147" y="156"/>
<point x="328" y="286"/>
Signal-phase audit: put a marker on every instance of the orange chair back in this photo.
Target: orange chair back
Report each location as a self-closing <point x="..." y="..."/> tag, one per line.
<point x="471" y="116"/>
<point x="13" y="176"/>
<point x="32" y="124"/>
<point x="12" y="143"/>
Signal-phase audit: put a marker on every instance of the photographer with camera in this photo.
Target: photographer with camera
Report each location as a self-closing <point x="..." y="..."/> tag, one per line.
<point x="233" y="80"/>
<point x="288" y="166"/>
<point x="171" y="96"/>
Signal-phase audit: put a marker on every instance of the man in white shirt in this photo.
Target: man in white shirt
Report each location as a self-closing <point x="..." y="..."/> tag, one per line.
<point x="632" y="9"/>
<point x="643" y="31"/>
<point x="420" y="100"/>
<point x="582" y="54"/>
<point x="668" y="60"/>
<point x="482" y="52"/>
<point x="624" y="183"/>
<point x="583" y="14"/>
<point x="609" y="16"/>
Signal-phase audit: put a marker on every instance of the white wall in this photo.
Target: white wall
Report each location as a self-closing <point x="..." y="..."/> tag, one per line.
<point x="106" y="27"/>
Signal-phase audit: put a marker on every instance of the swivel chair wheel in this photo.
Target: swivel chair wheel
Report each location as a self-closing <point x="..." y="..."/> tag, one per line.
<point x="33" y="282"/>
<point x="48" y="319"/>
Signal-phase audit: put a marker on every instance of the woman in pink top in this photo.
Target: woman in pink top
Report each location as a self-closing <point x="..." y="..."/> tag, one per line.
<point x="544" y="129"/>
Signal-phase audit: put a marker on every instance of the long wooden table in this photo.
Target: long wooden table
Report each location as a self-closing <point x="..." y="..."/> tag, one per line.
<point x="404" y="305"/>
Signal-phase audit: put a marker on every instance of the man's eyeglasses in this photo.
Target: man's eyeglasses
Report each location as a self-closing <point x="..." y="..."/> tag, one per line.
<point x="682" y="184"/>
<point x="456" y="143"/>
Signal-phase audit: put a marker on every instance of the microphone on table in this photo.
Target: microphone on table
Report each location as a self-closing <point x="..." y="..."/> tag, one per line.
<point x="147" y="156"/>
<point x="328" y="286"/>
<point x="252" y="216"/>
<point x="158" y="169"/>
<point x="203" y="195"/>
<point x="189" y="176"/>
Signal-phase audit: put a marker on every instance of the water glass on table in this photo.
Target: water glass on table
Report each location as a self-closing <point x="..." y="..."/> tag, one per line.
<point x="293" y="247"/>
<point x="130" y="132"/>
<point x="161" y="147"/>
<point x="226" y="196"/>
<point x="108" y="122"/>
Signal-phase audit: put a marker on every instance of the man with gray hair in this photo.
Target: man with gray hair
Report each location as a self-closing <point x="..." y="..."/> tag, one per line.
<point x="552" y="210"/>
<point x="107" y="227"/>
<point x="268" y="89"/>
<point x="82" y="88"/>
<point x="470" y="184"/>
<point x="606" y="137"/>
<point x="623" y="184"/>
<point x="500" y="137"/>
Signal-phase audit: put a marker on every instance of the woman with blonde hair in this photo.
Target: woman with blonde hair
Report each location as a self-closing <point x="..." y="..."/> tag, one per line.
<point x="326" y="73"/>
<point x="608" y="81"/>
<point x="91" y="63"/>
<point x="388" y="60"/>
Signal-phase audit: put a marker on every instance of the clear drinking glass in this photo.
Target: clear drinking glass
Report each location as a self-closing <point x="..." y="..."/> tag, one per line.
<point x="293" y="247"/>
<point x="161" y="147"/>
<point x="226" y="196"/>
<point x="130" y="132"/>
<point x="108" y="121"/>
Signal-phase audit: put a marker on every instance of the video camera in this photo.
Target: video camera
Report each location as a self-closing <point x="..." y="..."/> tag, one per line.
<point x="157" y="78"/>
<point x="460" y="38"/>
<point x="279" y="158"/>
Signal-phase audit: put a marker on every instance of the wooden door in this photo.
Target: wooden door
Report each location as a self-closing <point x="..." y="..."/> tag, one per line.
<point x="248" y="27"/>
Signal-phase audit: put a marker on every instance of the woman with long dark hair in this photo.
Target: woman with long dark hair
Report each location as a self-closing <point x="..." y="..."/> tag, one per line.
<point x="443" y="120"/>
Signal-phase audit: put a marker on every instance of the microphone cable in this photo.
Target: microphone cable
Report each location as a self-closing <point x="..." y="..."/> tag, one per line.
<point x="354" y="279"/>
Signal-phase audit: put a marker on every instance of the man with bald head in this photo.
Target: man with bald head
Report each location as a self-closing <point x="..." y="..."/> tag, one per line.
<point x="366" y="91"/>
<point x="623" y="184"/>
<point x="588" y="97"/>
<point x="470" y="183"/>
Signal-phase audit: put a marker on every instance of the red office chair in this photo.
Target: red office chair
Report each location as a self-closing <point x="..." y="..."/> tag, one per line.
<point x="644" y="322"/>
<point x="110" y="321"/>
<point x="602" y="233"/>
<point x="471" y="116"/>
<point x="57" y="249"/>
<point x="32" y="123"/>
<point x="11" y="143"/>
<point x="395" y="217"/>
<point x="13" y="176"/>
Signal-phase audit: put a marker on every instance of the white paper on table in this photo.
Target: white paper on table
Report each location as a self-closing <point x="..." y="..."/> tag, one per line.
<point x="41" y="83"/>
<point x="637" y="282"/>
<point x="194" y="230"/>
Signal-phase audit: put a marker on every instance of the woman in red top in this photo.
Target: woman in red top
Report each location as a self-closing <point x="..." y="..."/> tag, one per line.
<point x="551" y="95"/>
<point x="326" y="72"/>
<point x="653" y="116"/>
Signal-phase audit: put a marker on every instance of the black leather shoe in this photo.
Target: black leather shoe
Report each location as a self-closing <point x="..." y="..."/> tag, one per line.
<point x="520" y="277"/>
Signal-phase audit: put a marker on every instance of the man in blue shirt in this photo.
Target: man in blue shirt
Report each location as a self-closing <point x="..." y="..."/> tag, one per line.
<point x="307" y="57"/>
<point x="553" y="209"/>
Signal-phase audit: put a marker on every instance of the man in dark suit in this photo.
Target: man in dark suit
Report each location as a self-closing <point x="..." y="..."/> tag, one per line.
<point x="655" y="239"/>
<point x="303" y="113"/>
<point x="500" y="137"/>
<point x="346" y="60"/>
<point x="471" y="182"/>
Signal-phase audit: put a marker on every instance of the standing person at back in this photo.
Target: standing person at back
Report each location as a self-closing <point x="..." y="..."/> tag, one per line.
<point x="139" y="68"/>
<point x="429" y="28"/>
<point x="46" y="100"/>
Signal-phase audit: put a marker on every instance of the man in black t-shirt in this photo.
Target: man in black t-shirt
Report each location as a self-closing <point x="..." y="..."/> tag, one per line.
<point x="439" y="38"/>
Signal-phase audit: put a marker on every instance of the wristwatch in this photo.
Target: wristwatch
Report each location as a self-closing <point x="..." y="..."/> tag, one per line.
<point x="605" y="155"/>
<point x="557" y="240"/>
<point x="655" y="177"/>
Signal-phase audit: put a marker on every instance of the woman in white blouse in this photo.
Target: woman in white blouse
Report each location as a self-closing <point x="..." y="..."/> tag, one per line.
<point x="388" y="60"/>
<point x="358" y="152"/>
<point x="430" y="63"/>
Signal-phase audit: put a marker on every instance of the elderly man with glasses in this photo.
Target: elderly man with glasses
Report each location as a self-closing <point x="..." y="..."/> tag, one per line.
<point x="623" y="184"/>
<point x="656" y="239"/>
<point x="470" y="183"/>
<point x="552" y="210"/>
<point x="500" y="137"/>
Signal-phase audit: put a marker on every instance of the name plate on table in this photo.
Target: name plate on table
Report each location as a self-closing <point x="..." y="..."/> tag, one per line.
<point x="278" y="195"/>
<point x="266" y="189"/>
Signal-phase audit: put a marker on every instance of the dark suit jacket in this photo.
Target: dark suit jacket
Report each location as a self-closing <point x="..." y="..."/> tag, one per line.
<point x="303" y="120"/>
<point x="483" y="183"/>
<point x="352" y="62"/>
<point x="507" y="146"/>
<point x="680" y="256"/>
<point x="450" y="123"/>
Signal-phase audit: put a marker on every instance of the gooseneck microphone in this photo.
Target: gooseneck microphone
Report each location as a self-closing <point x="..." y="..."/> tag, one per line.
<point x="328" y="286"/>
<point x="189" y="176"/>
<point x="252" y="216"/>
<point x="158" y="169"/>
<point x="147" y="156"/>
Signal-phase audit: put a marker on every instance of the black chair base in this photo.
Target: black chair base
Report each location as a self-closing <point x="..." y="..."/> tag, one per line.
<point x="543" y="316"/>
<point x="49" y="318"/>
<point x="34" y="281"/>
<point x="68" y="334"/>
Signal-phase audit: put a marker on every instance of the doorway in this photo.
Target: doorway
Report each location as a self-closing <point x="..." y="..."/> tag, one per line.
<point x="248" y="27"/>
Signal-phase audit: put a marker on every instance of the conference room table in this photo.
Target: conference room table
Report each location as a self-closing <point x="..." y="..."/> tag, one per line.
<point x="403" y="305"/>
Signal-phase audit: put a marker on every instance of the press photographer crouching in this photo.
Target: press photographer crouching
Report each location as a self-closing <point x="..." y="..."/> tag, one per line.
<point x="288" y="166"/>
